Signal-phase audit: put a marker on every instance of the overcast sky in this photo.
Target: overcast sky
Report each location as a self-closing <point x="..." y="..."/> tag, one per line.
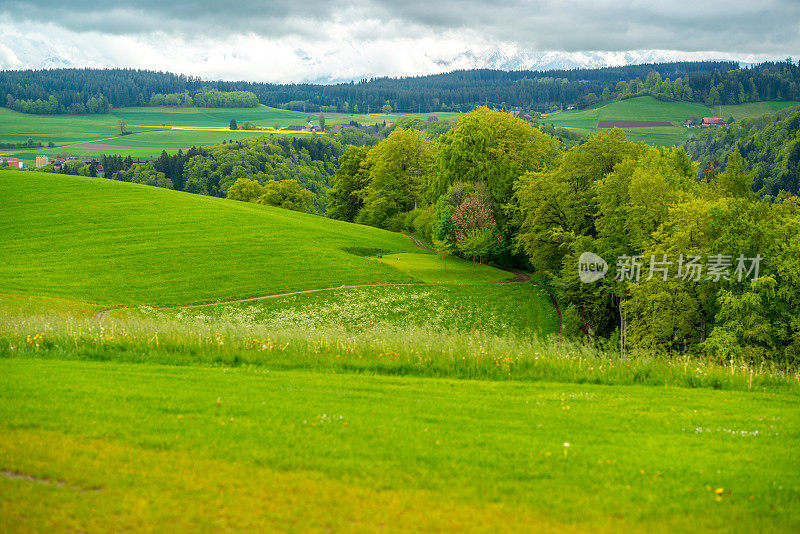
<point x="326" y="40"/>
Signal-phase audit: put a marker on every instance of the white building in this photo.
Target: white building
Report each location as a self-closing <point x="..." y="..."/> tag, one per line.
<point x="41" y="161"/>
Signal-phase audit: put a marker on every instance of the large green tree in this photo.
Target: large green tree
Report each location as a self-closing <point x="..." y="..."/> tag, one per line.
<point x="397" y="167"/>
<point x="491" y="147"/>
<point x="351" y="178"/>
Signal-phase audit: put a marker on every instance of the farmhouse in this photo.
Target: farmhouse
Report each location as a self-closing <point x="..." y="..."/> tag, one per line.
<point x="713" y="121"/>
<point x="13" y="162"/>
<point x="521" y="114"/>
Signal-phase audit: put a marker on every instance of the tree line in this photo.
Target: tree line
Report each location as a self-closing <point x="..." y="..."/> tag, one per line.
<point x="711" y="82"/>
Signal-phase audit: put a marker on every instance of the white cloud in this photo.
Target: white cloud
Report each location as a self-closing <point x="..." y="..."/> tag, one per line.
<point x="287" y="41"/>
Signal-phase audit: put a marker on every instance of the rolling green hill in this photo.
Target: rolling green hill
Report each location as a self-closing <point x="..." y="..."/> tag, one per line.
<point x="647" y="108"/>
<point x="119" y="243"/>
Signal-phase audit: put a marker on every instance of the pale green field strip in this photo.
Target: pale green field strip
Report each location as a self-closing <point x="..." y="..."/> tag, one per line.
<point x="105" y="446"/>
<point x="426" y="268"/>
<point x="432" y="269"/>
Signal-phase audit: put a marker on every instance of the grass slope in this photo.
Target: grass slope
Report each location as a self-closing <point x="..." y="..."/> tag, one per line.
<point x="252" y="449"/>
<point x="647" y="108"/>
<point x="116" y="243"/>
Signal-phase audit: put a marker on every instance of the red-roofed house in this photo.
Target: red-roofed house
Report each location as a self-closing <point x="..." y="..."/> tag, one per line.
<point x="14" y="162"/>
<point x="713" y="121"/>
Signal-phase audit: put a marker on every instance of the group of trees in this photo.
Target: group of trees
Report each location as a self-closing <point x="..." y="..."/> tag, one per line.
<point x="74" y="167"/>
<point x="770" y="146"/>
<point x="495" y="187"/>
<point x="711" y="82"/>
<point x="411" y="182"/>
<point x="94" y="104"/>
<point x="463" y="90"/>
<point x="287" y="194"/>
<point x="166" y="171"/>
<point x="311" y="161"/>
<point x="645" y="211"/>
<point x="308" y="162"/>
<point x="74" y="89"/>
<point x="183" y="99"/>
<point x="207" y="98"/>
<point x="29" y="143"/>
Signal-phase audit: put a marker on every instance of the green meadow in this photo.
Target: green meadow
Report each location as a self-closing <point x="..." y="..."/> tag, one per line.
<point x="428" y="397"/>
<point x="495" y="309"/>
<point x="149" y="127"/>
<point x="95" y="447"/>
<point x="380" y="118"/>
<point x="647" y="108"/>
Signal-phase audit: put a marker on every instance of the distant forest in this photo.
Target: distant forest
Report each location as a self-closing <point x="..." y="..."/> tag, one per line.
<point x="80" y="91"/>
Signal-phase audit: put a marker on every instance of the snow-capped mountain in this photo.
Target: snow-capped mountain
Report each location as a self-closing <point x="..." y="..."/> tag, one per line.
<point x="509" y="57"/>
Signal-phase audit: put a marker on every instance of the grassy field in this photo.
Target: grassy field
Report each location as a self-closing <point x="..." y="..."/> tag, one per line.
<point x="438" y="400"/>
<point x="104" y="446"/>
<point x="145" y="144"/>
<point x="142" y="245"/>
<point x="180" y="138"/>
<point x="647" y="108"/>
